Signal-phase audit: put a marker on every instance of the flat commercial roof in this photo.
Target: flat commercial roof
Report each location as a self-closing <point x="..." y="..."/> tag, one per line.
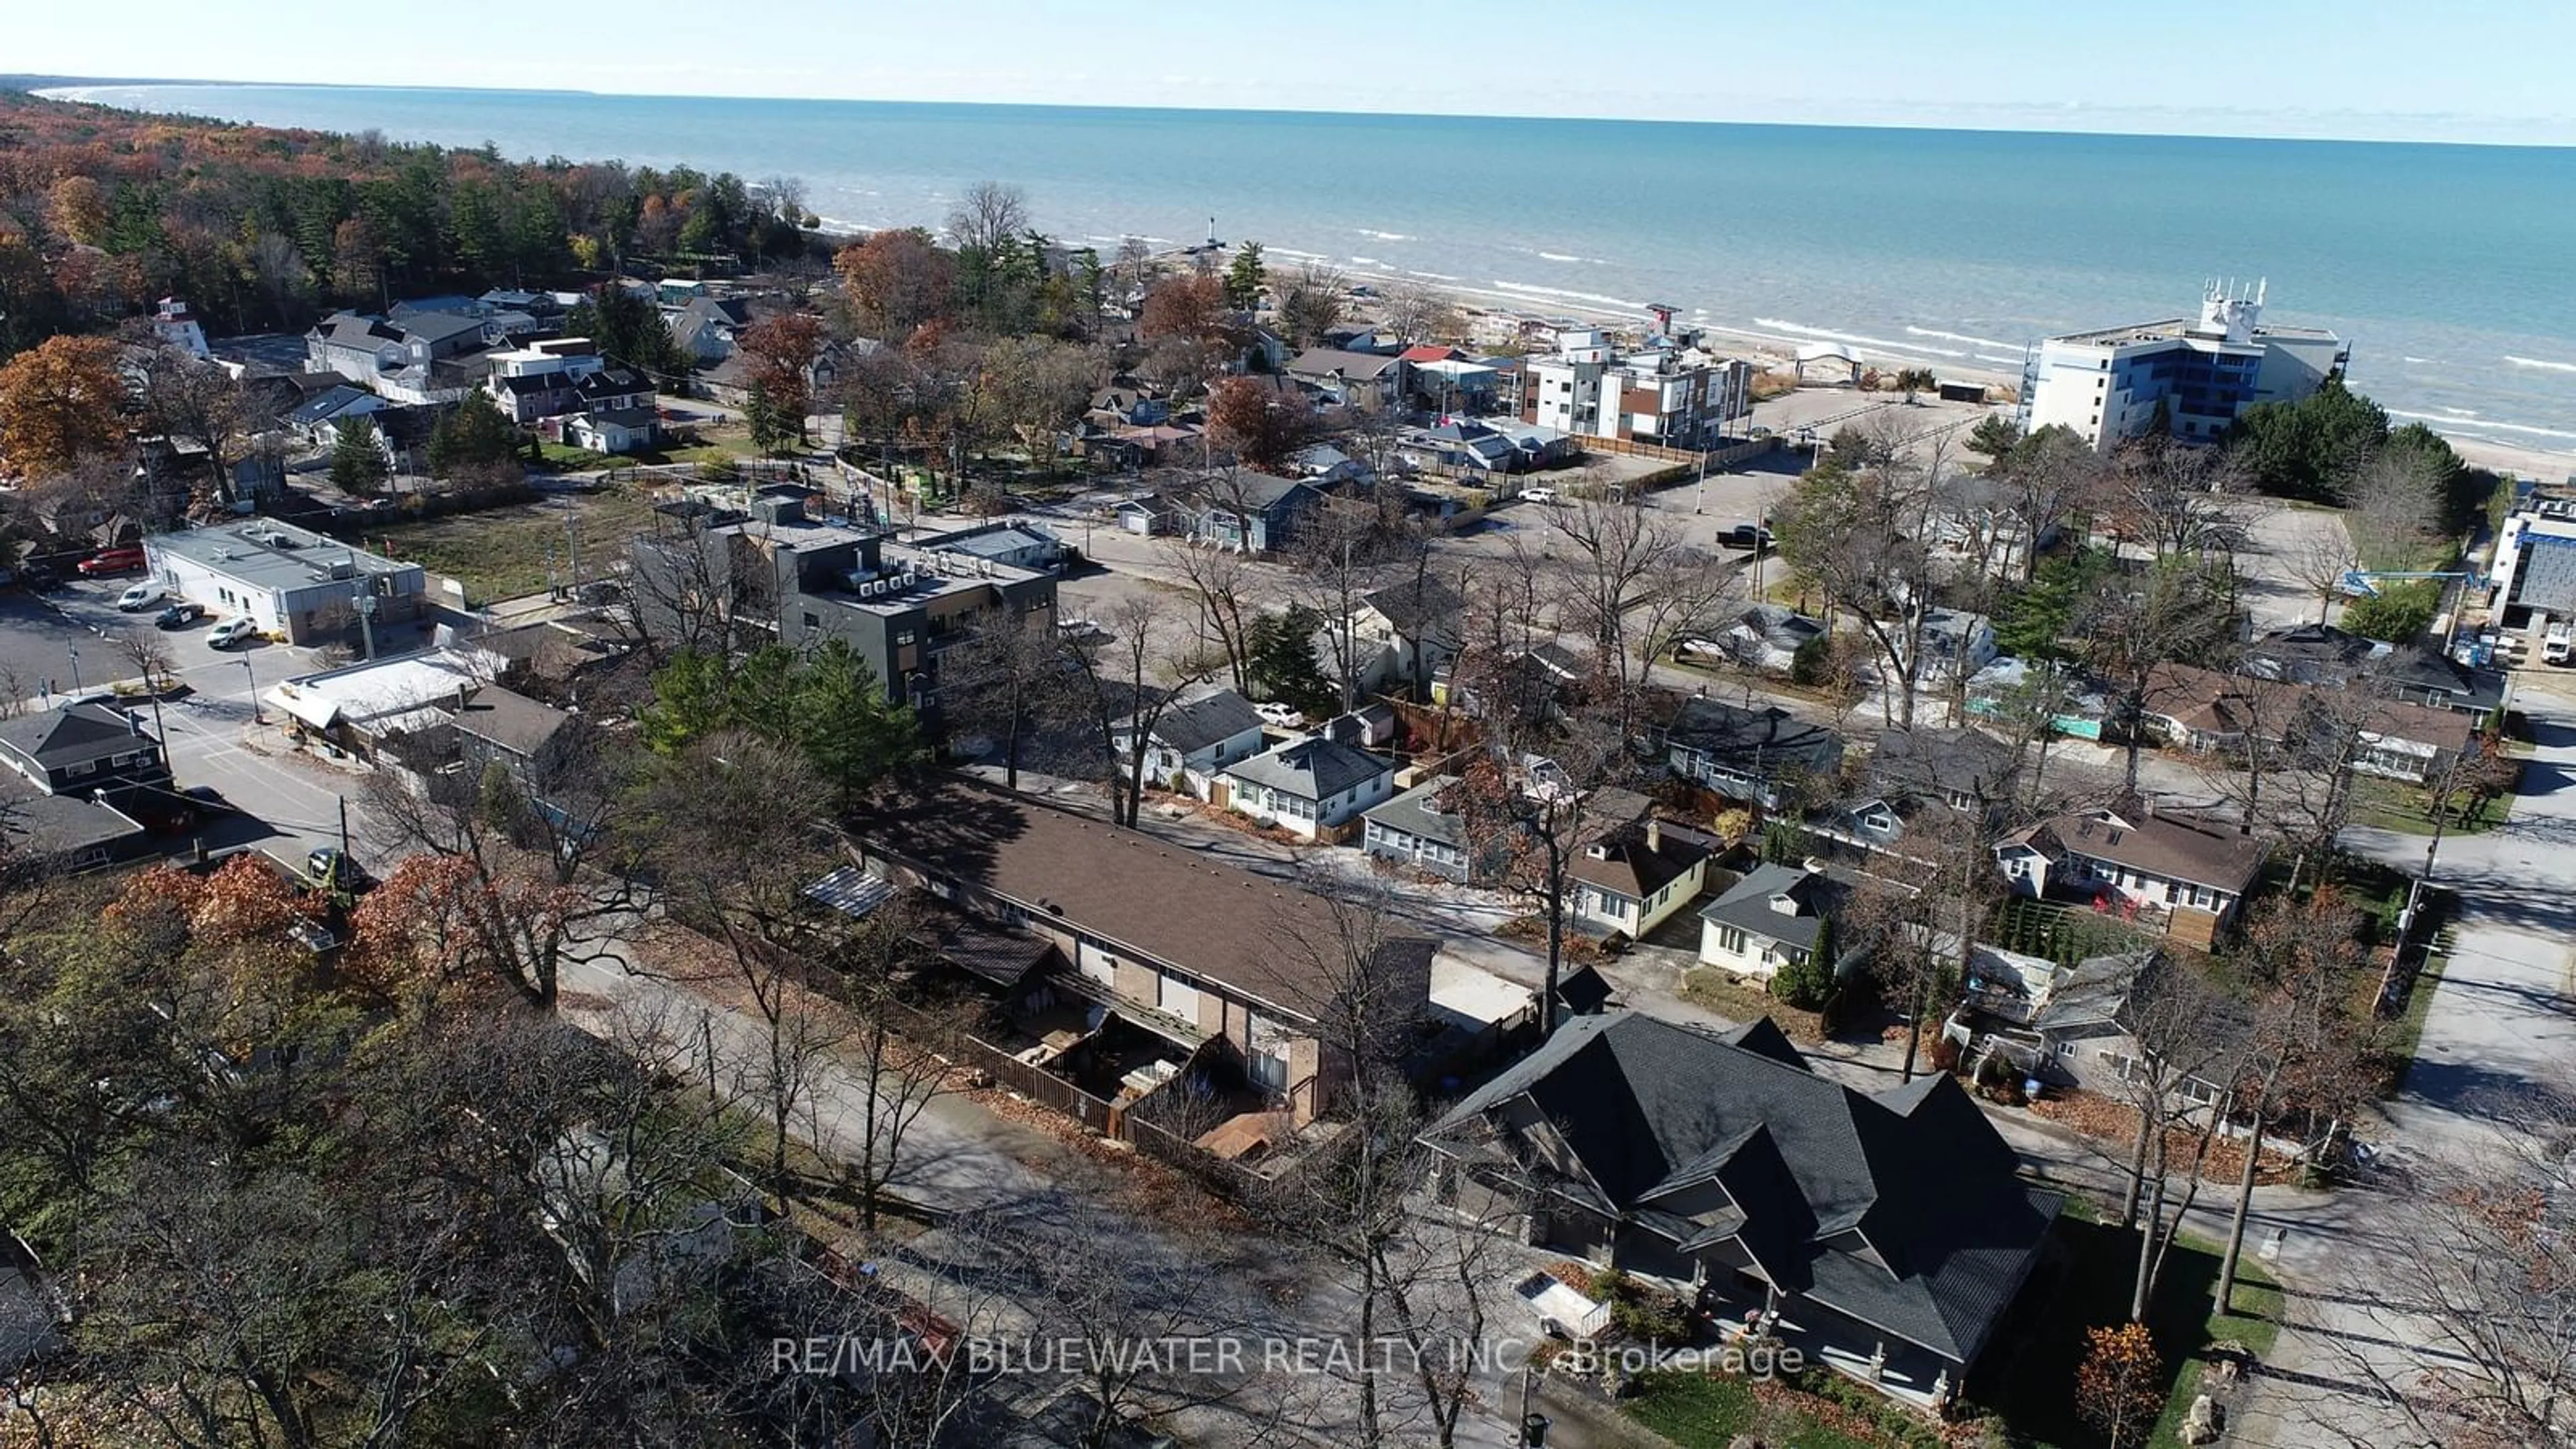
<point x="265" y="554"/>
<point x="380" y="691"/>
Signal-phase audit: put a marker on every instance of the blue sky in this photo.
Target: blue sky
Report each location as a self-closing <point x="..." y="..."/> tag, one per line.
<point x="2490" y="70"/>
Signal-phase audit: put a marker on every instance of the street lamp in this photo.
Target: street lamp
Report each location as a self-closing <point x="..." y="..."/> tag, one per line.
<point x="253" y="677"/>
<point x="74" y="651"/>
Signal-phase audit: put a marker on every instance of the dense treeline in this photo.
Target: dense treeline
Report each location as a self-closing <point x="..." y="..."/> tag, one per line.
<point x="102" y="211"/>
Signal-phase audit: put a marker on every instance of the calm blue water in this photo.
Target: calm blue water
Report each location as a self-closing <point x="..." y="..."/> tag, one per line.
<point x="2443" y="264"/>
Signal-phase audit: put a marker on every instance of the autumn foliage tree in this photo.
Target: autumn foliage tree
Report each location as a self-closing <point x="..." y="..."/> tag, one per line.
<point x="782" y="351"/>
<point x="439" y="920"/>
<point x="895" y="281"/>
<point x="1256" y="424"/>
<point x="2120" y="1387"/>
<point x="60" y="401"/>
<point x="1184" y="307"/>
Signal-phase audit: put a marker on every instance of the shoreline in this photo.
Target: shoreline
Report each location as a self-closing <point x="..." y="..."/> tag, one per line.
<point x="1772" y="351"/>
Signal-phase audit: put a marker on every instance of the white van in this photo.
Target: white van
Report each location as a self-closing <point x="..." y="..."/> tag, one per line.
<point x="2556" y="647"/>
<point x="139" y="597"/>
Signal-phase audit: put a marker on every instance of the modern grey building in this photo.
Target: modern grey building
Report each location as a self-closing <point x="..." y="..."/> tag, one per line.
<point x="727" y="577"/>
<point x="2197" y="374"/>
<point x="294" y="584"/>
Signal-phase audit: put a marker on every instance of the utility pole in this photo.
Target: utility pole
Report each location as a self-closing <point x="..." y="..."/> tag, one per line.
<point x="572" y="550"/>
<point x="344" y="826"/>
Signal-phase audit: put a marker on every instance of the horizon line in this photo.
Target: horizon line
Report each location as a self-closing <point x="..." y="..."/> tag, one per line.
<point x="43" y="85"/>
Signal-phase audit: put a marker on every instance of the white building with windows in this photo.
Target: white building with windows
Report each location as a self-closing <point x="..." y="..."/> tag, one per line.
<point x="2198" y="373"/>
<point x="292" y="583"/>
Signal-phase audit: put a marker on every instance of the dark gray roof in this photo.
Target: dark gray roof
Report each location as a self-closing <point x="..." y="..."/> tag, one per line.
<point x="510" y="720"/>
<point x="528" y="382"/>
<point x="1747" y="904"/>
<point x="54" y="738"/>
<point x="1195" y="724"/>
<point x="328" y="405"/>
<point x="1314" y="768"/>
<point x="2093" y="994"/>
<point x="1264" y="491"/>
<point x="1319" y="362"/>
<point x="1763" y="743"/>
<point x="1649" y="1108"/>
<point x="1421" y="608"/>
<point x="438" y="326"/>
<point x="348" y="329"/>
<point x="1935" y="763"/>
<point x="1417" y="813"/>
<point x="612" y="382"/>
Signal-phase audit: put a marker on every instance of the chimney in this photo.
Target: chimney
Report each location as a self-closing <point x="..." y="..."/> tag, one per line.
<point x="1654" y="836"/>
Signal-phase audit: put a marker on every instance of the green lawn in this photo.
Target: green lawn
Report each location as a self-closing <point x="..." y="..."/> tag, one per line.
<point x="2028" y="1377"/>
<point x="2407" y="809"/>
<point x="502" y="553"/>
<point x="1706" y="1411"/>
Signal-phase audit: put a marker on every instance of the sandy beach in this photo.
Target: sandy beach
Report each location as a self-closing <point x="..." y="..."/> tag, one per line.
<point x="1772" y="350"/>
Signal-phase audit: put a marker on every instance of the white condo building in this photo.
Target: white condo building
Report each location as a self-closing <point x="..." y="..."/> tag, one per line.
<point x="2106" y="386"/>
<point x="1678" y="397"/>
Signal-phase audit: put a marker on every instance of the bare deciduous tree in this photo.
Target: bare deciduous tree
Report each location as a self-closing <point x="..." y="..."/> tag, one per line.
<point x="1127" y="681"/>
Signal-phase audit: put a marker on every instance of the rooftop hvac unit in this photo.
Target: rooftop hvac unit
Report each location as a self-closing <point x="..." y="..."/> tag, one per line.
<point x="344" y="570"/>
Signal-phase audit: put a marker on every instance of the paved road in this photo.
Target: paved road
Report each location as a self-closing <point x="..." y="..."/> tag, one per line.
<point x="2502" y="1019"/>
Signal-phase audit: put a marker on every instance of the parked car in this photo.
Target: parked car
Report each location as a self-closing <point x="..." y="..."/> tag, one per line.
<point x="231" y="632"/>
<point x="1283" y="716"/>
<point x="1541" y="495"/>
<point x="207" y="800"/>
<point x="178" y="616"/>
<point x="139" y="598"/>
<point x="333" y="869"/>
<point x="111" y="561"/>
<point x="1747" y="535"/>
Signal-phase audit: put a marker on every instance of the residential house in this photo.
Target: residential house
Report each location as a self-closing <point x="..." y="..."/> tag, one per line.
<point x="1403" y="635"/>
<point x="1420" y="829"/>
<point x="1347" y="379"/>
<point x="1018" y="542"/>
<point x="1964" y="769"/>
<point x="1889" y="1232"/>
<point x="2078" y="1026"/>
<point x="1180" y="945"/>
<point x="1310" y="788"/>
<point x="705" y="326"/>
<point x="1956" y="642"/>
<point x="81" y="750"/>
<point x="1977" y="520"/>
<point x="1638" y="874"/>
<point x="1773" y="917"/>
<point x="495" y="725"/>
<point x="1128" y="407"/>
<point x="2008" y="688"/>
<point x="178" y="327"/>
<point x="421" y="358"/>
<point x="1248" y="511"/>
<point x="318" y="418"/>
<point x="729" y="381"/>
<point x="1768" y="637"/>
<point x="1328" y="463"/>
<point x="2322" y="654"/>
<point x="764" y="569"/>
<point x="529" y="384"/>
<point x="1193" y="740"/>
<point x="2203" y="710"/>
<point x="614" y="431"/>
<point x="2131" y="859"/>
<point x="1464" y="445"/>
<point x="1766" y="756"/>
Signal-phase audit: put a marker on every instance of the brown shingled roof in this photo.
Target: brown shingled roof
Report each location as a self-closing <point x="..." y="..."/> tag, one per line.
<point x="2162" y="845"/>
<point x="1161" y="900"/>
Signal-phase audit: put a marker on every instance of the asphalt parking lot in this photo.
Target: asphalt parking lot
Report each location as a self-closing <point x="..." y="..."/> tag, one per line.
<point x="67" y="639"/>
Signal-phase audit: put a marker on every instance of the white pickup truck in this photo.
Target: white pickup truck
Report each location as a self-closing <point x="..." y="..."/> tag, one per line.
<point x="1562" y="1311"/>
<point x="2556" y="646"/>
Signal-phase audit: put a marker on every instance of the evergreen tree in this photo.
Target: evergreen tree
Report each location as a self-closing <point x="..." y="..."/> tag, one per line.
<point x="475" y="435"/>
<point x="769" y="430"/>
<point x="1243" y="280"/>
<point x="357" y="457"/>
<point x="848" y="729"/>
<point x="1281" y="662"/>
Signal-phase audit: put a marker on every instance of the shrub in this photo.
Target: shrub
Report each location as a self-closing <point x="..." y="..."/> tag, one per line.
<point x="1944" y="1055"/>
<point x="1813" y="664"/>
<point x="1805" y="983"/>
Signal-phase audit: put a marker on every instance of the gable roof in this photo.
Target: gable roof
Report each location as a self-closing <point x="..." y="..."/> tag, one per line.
<point x="2159" y="845"/>
<point x="1421" y="608"/>
<point x="71" y="735"/>
<point x="349" y="329"/>
<point x="1626" y="866"/>
<point x="328" y="406"/>
<point x="1931" y="761"/>
<point x="1763" y="743"/>
<point x="1417" y="813"/>
<point x="1647" y="1108"/>
<point x="1747" y="905"/>
<point x="1323" y="362"/>
<point x="1159" y="901"/>
<point x="510" y="720"/>
<point x="1314" y="768"/>
<point x="1194" y="724"/>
